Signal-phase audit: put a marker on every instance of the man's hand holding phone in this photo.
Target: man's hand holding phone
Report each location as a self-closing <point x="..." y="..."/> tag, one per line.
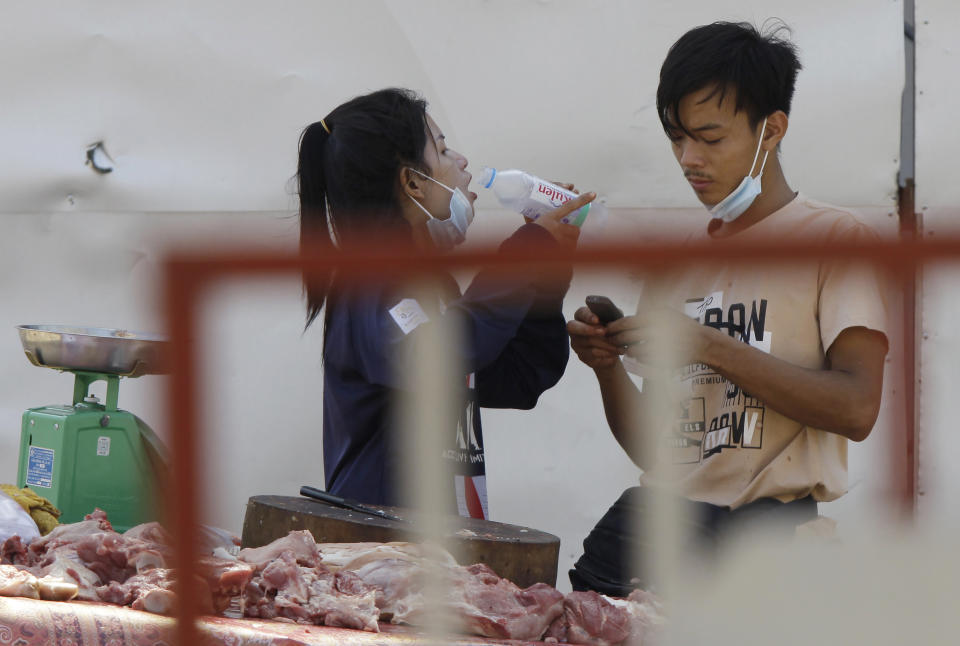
<point x="604" y="309"/>
<point x="588" y="333"/>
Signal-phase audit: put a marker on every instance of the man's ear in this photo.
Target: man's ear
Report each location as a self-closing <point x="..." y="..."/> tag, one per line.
<point x="777" y="124"/>
<point x="411" y="183"/>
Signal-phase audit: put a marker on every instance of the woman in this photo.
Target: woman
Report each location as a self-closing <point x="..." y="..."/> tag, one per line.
<point x="377" y="168"/>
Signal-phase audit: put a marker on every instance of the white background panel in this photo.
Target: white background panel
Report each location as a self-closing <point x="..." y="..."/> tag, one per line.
<point x="938" y="200"/>
<point x="200" y="105"/>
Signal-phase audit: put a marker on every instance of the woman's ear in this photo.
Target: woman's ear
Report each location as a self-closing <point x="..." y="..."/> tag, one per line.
<point x="411" y="183"/>
<point x="776" y="129"/>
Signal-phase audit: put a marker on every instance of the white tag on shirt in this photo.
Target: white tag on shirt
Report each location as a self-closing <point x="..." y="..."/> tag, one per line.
<point x="408" y="314"/>
<point x="696" y="308"/>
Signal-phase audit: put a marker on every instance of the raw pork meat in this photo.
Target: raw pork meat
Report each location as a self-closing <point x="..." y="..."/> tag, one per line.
<point x="89" y="553"/>
<point x="493" y="607"/>
<point x="210" y="538"/>
<point x="478" y="600"/>
<point x="17" y="582"/>
<point x="300" y="543"/>
<point x="225" y="579"/>
<point x="152" y="532"/>
<point x="592" y="618"/>
<point x="153" y="591"/>
<point x="94" y="523"/>
<point x="126" y="569"/>
<point x="14" y="552"/>
<point x="353" y="556"/>
<point x="398" y="585"/>
<point x="114" y="557"/>
<point x="647" y="617"/>
<point x="55" y="589"/>
<point x="65" y="566"/>
<point x="291" y="582"/>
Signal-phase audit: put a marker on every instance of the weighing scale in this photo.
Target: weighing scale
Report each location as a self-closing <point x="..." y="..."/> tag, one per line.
<point x="89" y="453"/>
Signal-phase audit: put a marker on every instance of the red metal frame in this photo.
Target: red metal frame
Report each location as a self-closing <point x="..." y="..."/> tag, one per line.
<point x="188" y="276"/>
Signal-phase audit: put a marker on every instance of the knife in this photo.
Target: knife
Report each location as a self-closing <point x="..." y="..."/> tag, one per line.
<point x="319" y="494"/>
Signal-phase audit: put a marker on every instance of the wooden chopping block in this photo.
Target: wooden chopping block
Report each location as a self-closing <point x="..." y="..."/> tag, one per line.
<point x="520" y="554"/>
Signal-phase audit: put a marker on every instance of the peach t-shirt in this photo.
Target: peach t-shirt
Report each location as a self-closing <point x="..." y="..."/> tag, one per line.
<point x="727" y="447"/>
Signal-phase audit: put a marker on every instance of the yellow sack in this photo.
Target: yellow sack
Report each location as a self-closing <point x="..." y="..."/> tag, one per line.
<point x="41" y="510"/>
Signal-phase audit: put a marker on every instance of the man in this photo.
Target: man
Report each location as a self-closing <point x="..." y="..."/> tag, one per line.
<point x="778" y="367"/>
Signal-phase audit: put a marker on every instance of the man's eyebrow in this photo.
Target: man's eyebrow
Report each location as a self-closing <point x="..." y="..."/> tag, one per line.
<point x="709" y="126"/>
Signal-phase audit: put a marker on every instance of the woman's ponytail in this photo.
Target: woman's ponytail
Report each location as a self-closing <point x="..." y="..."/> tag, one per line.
<point x="314" y="223"/>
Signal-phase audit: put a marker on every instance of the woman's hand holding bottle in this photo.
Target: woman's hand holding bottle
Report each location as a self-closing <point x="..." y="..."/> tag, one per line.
<point x="566" y="234"/>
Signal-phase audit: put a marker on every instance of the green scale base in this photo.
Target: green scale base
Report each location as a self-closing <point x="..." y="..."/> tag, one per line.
<point x="87" y="455"/>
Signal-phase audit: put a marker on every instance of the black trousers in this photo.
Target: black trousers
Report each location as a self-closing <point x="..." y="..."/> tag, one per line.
<point x="608" y="564"/>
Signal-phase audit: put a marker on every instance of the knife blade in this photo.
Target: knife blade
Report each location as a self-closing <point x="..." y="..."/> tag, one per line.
<point x="346" y="503"/>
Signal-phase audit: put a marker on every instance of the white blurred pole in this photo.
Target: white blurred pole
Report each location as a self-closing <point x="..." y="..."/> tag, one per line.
<point x="430" y="403"/>
<point x="662" y="528"/>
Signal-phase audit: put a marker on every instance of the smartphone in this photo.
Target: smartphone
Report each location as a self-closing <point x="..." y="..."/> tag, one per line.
<point x="604" y="308"/>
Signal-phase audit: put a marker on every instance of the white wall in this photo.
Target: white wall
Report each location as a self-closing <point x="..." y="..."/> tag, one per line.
<point x="200" y="109"/>
<point x="937" y="199"/>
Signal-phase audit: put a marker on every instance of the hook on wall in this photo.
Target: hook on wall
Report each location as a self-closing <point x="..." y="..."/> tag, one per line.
<point x="99" y="159"/>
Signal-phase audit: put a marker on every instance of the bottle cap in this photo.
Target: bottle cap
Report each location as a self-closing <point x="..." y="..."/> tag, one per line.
<point x="486" y="176"/>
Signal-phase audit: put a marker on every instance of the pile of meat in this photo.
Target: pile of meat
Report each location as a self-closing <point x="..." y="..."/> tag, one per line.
<point x="89" y="561"/>
<point x="290" y="582"/>
<point x="591" y="618"/>
<point x="355" y="585"/>
<point x="350" y="585"/>
<point x="399" y="574"/>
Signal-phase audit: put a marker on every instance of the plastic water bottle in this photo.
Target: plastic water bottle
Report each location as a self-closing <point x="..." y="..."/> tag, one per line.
<point x="529" y="195"/>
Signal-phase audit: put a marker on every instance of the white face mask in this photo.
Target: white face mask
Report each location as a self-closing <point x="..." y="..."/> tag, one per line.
<point x="732" y="206"/>
<point x="448" y="233"/>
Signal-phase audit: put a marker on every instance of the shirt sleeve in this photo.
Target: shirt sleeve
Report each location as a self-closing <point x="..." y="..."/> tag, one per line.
<point x="852" y="293"/>
<point x="532" y="362"/>
<point x="491" y="318"/>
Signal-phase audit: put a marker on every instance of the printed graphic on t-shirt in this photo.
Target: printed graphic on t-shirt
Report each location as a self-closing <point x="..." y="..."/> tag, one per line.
<point x="465" y="453"/>
<point x="697" y="307"/>
<point x="718" y="415"/>
<point x="471" y="496"/>
<point x="688" y="438"/>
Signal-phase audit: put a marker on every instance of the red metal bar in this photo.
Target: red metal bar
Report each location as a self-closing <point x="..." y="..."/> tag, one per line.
<point x="372" y="262"/>
<point x="180" y="302"/>
<point x="188" y="275"/>
<point x="909" y="230"/>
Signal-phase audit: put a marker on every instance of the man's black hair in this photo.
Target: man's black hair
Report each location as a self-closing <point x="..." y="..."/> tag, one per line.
<point x="760" y="69"/>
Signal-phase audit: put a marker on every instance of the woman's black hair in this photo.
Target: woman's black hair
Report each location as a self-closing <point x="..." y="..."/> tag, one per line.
<point x="760" y="69"/>
<point x="349" y="173"/>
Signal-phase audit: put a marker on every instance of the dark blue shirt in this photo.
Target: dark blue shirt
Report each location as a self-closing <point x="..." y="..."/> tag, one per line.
<point x="515" y="346"/>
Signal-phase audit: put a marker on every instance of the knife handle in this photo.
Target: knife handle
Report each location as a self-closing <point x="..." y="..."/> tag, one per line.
<point x="319" y="494"/>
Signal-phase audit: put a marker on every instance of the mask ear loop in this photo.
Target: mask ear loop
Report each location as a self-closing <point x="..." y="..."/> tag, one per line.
<point x="447" y="188"/>
<point x="763" y="129"/>
<point x="414" y="200"/>
<point x="422" y="207"/>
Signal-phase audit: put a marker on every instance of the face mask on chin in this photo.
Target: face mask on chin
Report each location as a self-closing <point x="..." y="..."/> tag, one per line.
<point x="732" y="206"/>
<point x="448" y="233"/>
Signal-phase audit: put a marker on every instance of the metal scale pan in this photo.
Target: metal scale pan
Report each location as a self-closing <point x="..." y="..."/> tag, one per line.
<point x="93" y="349"/>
